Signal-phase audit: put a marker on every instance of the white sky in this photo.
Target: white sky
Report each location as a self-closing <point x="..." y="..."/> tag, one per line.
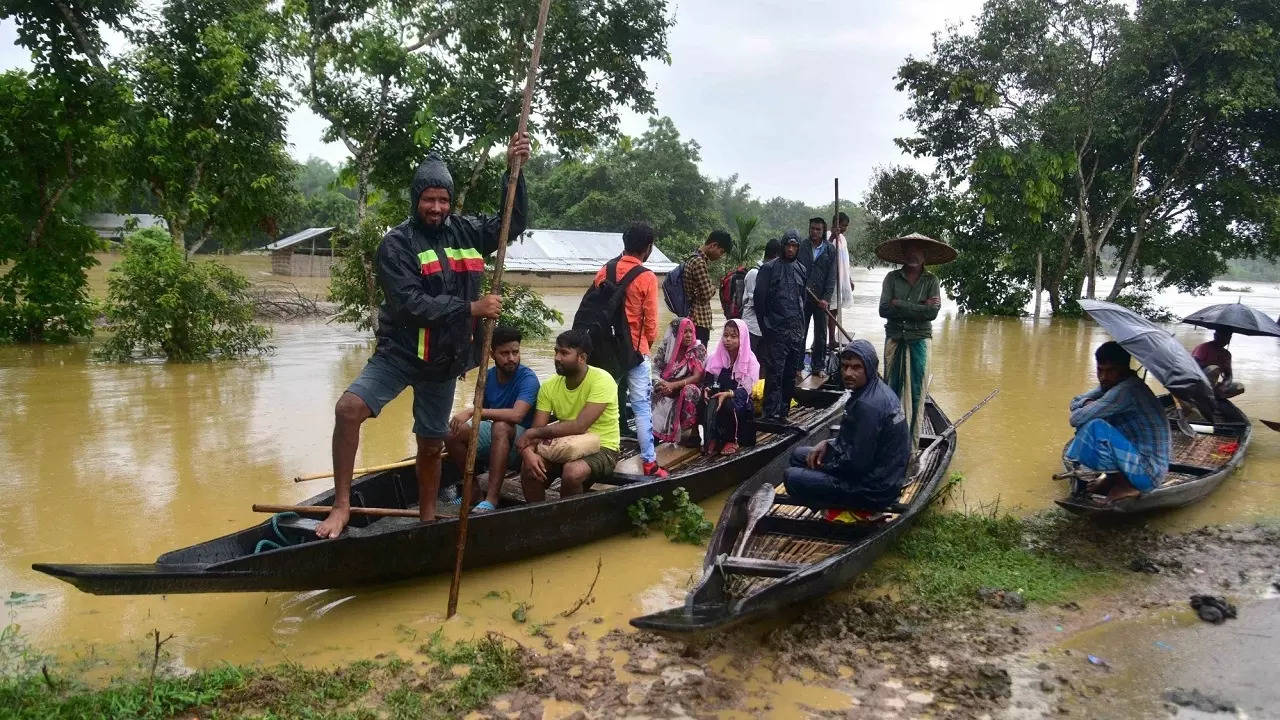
<point x="786" y="93"/>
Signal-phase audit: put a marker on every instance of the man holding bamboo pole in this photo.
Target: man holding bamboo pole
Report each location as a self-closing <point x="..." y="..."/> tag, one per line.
<point x="430" y="268"/>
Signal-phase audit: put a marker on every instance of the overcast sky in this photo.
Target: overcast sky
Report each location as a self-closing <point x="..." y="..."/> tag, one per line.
<point x="786" y="93"/>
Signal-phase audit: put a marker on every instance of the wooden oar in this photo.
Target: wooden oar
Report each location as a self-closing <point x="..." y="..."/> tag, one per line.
<point x="757" y="507"/>
<point x="324" y="510"/>
<point x="358" y="471"/>
<point x="1271" y="424"/>
<point x="839" y="327"/>
<point x="496" y="288"/>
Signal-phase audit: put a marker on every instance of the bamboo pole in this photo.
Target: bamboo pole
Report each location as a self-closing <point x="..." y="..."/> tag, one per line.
<point x="833" y="319"/>
<point x="842" y="272"/>
<point x="358" y="471"/>
<point x="470" y="467"/>
<point x="324" y="510"/>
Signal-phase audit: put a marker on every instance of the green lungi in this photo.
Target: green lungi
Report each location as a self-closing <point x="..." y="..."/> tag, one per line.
<point x="895" y="367"/>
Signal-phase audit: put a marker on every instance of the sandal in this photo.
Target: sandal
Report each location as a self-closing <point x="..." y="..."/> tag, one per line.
<point x="729" y="448"/>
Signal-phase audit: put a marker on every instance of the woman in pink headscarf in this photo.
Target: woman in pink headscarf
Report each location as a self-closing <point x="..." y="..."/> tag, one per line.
<point x="676" y="394"/>
<point x="731" y="373"/>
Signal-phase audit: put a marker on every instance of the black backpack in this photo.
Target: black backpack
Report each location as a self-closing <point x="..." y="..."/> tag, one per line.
<point x="673" y="292"/>
<point x="732" y="288"/>
<point x="602" y="316"/>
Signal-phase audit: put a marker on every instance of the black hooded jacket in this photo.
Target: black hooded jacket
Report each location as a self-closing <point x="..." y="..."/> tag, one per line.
<point x="430" y="276"/>
<point x="871" y="453"/>
<point x="779" y="294"/>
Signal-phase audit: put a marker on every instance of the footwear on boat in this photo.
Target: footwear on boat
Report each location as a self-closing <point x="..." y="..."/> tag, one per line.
<point x="652" y="469"/>
<point x="483" y="506"/>
<point x="729" y="448"/>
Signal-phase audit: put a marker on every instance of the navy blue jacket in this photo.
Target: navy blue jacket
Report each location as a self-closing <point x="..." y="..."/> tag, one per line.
<point x="870" y="455"/>
<point x="779" y="296"/>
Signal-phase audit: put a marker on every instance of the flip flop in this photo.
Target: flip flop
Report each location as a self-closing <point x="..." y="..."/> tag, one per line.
<point x="483" y="506"/>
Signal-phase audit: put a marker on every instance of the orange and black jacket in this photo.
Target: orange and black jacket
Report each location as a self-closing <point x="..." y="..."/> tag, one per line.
<point x="429" y="277"/>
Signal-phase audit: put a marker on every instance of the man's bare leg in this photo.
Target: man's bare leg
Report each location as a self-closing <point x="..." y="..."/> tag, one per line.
<point x="534" y="489"/>
<point x="573" y="477"/>
<point x="1121" y="489"/>
<point x="428" y="467"/>
<point x="501" y="435"/>
<point x="349" y="413"/>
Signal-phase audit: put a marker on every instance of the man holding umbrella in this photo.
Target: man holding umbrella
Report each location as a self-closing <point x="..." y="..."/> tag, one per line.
<point x="909" y="301"/>
<point x="1226" y="320"/>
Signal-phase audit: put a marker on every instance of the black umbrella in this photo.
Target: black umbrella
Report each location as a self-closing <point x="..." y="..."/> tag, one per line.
<point x="1158" y="351"/>
<point x="1236" y="317"/>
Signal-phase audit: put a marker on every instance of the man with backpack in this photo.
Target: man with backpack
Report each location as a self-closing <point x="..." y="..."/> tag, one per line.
<point x="620" y="314"/>
<point x="693" y="298"/>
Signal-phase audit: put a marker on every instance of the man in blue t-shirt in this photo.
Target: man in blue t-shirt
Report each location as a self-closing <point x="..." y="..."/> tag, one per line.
<point x="510" y="392"/>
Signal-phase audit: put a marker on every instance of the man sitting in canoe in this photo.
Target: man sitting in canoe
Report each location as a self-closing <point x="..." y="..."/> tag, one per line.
<point x="1215" y="359"/>
<point x="425" y="326"/>
<point x="510" y="391"/>
<point x="864" y="467"/>
<point x="1121" y="429"/>
<point x="581" y="447"/>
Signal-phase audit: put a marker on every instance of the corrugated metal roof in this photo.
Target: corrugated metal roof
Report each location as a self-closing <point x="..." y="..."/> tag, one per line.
<point x="298" y="237"/>
<point x="572" y="251"/>
<point x="113" y="225"/>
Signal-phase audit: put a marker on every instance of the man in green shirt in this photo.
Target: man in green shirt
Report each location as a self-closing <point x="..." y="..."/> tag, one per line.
<point x="584" y="400"/>
<point x="909" y="301"/>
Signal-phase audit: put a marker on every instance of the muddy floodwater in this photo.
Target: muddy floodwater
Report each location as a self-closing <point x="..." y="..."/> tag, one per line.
<point x="121" y="463"/>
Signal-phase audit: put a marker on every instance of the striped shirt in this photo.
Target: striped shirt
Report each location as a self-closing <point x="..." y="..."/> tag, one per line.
<point x="1136" y="412"/>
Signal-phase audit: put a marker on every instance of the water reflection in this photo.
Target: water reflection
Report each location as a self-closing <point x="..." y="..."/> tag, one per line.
<point x="121" y="463"/>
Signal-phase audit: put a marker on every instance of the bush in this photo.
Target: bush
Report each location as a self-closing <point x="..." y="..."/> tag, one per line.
<point x="162" y="304"/>
<point x="44" y="295"/>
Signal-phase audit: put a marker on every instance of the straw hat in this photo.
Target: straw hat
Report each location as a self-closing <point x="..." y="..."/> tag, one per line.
<point x="936" y="252"/>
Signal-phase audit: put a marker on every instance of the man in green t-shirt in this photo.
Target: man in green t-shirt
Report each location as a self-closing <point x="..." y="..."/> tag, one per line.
<point x="583" y="399"/>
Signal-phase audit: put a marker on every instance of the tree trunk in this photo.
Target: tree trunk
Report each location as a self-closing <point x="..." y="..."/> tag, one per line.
<point x="481" y="161"/>
<point x="362" y="188"/>
<point x="205" y="233"/>
<point x="1039" y="283"/>
<point x="1130" y="257"/>
<point x="82" y="40"/>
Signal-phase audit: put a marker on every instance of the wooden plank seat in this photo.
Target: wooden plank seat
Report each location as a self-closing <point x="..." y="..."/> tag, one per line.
<point x="758" y="567"/>
<point x="783" y="499"/>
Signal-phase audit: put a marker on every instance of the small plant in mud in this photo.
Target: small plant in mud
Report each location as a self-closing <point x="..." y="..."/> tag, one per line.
<point x="683" y="522"/>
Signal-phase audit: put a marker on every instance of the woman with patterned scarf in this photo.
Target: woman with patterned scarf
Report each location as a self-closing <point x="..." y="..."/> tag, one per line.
<point x="676" y="393"/>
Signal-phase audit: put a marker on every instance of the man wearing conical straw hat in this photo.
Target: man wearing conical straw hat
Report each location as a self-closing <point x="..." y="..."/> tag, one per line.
<point x="909" y="301"/>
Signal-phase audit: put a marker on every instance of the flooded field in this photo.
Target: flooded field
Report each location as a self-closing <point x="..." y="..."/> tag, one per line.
<point x="121" y="463"/>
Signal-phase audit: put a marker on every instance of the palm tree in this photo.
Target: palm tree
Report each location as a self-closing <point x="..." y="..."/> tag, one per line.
<point x="745" y="253"/>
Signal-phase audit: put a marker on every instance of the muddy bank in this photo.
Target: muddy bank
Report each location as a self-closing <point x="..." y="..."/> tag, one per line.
<point x="881" y="657"/>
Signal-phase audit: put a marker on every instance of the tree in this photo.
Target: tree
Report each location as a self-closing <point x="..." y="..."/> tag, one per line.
<point x="61" y="136"/>
<point x="396" y="78"/>
<point x="745" y="252"/>
<point x="211" y="119"/>
<point x="653" y="178"/>
<point x="1110" y="129"/>
<point x="160" y="303"/>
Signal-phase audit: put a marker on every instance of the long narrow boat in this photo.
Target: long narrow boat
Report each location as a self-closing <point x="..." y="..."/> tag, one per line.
<point x="793" y="552"/>
<point x="377" y="550"/>
<point x="1200" y="464"/>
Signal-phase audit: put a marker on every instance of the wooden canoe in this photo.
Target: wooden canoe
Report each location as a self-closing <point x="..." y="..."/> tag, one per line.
<point x="1200" y="464"/>
<point x="377" y="550"/>
<point x="794" y="554"/>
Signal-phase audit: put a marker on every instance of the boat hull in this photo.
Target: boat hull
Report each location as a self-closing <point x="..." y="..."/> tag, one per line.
<point x="392" y="549"/>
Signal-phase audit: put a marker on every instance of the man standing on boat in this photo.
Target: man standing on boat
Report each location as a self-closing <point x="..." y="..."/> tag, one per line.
<point x="698" y="287"/>
<point x="818" y="256"/>
<point x="429" y="268"/>
<point x="864" y="467"/>
<point x="909" y="301"/>
<point x="1121" y="429"/>
<point x="510" y="392"/>
<point x="779" y="303"/>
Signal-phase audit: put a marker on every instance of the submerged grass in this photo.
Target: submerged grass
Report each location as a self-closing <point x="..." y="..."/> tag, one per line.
<point x="458" y="677"/>
<point x="947" y="556"/>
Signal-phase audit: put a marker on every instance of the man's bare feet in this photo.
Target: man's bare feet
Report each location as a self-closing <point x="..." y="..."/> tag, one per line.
<point x="1119" y="493"/>
<point x="1099" y="484"/>
<point x="333" y="525"/>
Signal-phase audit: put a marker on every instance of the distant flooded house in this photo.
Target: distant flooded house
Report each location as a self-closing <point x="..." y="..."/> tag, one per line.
<point x="568" y="258"/>
<point x="303" y="254"/>
<point x="113" y="226"/>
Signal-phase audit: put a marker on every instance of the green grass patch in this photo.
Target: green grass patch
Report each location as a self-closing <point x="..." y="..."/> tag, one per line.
<point x="947" y="556"/>
<point x="460" y="677"/>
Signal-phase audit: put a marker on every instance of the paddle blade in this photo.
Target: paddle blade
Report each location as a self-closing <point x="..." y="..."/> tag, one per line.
<point x="1271" y="424"/>
<point x="757" y="507"/>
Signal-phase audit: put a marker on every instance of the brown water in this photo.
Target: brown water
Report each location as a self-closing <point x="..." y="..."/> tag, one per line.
<point x="121" y="463"/>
